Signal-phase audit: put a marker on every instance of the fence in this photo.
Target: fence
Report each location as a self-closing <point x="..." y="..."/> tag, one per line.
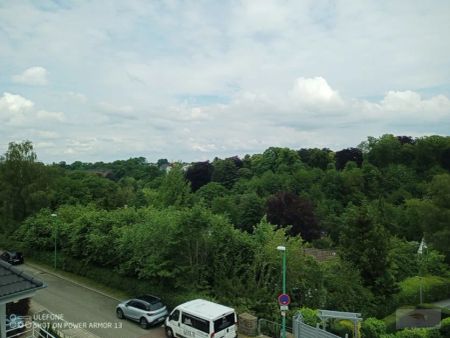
<point x="302" y="330"/>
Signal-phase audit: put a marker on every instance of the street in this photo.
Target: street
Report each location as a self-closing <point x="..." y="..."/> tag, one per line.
<point x="90" y="310"/>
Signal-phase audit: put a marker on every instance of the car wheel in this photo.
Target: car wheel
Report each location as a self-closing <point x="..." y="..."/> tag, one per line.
<point x="169" y="332"/>
<point x="143" y="322"/>
<point x="119" y="313"/>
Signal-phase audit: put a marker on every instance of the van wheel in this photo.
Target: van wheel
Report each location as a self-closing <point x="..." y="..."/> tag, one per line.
<point x="143" y="322"/>
<point x="169" y="332"/>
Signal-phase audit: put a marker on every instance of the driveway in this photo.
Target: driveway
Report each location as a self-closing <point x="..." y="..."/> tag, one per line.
<point x="85" y="308"/>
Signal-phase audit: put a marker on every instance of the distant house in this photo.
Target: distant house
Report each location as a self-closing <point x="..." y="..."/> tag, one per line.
<point x="14" y="286"/>
<point x="165" y="167"/>
<point x="320" y="255"/>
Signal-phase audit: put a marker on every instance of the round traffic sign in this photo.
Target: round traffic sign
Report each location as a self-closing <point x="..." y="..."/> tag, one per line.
<point x="284" y="299"/>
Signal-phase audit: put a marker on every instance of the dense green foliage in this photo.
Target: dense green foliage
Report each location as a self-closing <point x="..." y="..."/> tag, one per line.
<point x="212" y="228"/>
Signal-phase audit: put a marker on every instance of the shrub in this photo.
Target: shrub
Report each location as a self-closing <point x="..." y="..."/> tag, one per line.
<point x="445" y="327"/>
<point x="373" y="328"/>
<point x="342" y="327"/>
<point x="309" y="316"/>
<point x="418" y="333"/>
<point x="434" y="288"/>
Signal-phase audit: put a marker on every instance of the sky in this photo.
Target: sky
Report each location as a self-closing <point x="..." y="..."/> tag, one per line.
<point x="192" y="80"/>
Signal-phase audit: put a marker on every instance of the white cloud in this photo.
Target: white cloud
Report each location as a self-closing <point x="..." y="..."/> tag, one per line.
<point x="33" y="76"/>
<point x="48" y="115"/>
<point x="16" y="110"/>
<point x="315" y="93"/>
<point x="188" y="79"/>
<point x="410" y="102"/>
<point x="11" y="103"/>
<point x="111" y="108"/>
<point x="76" y="97"/>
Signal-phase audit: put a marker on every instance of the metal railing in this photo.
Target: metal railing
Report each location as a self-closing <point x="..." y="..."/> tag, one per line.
<point x="270" y="329"/>
<point x="29" y="329"/>
<point x="303" y="330"/>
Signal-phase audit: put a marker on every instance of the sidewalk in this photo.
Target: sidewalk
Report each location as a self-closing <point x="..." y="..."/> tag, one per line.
<point x="443" y="303"/>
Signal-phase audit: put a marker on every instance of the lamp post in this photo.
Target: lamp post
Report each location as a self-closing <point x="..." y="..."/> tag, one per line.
<point x="56" y="236"/>
<point x="283" y="314"/>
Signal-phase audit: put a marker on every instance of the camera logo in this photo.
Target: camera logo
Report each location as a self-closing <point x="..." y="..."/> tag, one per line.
<point x="14" y="322"/>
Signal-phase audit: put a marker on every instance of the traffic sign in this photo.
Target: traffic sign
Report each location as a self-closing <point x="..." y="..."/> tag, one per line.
<point x="284" y="299"/>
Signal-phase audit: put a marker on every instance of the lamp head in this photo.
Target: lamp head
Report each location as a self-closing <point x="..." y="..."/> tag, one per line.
<point x="281" y="248"/>
<point x="53" y="215"/>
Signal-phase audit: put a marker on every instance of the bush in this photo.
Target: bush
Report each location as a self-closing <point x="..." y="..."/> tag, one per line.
<point x="445" y="327"/>
<point x="309" y="316"/>
<point x="373" y="328"/>
<point x="342" y="327"/>
<point x="434" y="288"/>
<point x="418" y="333"/>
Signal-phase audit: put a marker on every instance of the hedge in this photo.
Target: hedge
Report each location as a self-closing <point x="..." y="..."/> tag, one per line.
<point x="434" y="288"/>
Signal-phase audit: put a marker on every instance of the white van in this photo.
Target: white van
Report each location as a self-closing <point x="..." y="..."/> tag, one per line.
<point x="201" y="319"/>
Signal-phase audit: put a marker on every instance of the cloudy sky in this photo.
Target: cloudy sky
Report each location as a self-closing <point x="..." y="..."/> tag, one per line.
<point x="191" y="80"/>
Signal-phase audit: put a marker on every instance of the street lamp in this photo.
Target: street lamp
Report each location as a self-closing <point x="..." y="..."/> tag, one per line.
<point x="283" y="313"/>
<point x="56" y="236"/>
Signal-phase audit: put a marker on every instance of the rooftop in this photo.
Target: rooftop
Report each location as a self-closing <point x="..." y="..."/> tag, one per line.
<point x="14" y="282"/>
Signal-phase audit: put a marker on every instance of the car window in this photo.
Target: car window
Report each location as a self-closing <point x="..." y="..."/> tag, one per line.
<point x="140" y="306"/>
<point x="195" y="322"/>
<point x="155" y="306"/>
<point x="224" y="322"/>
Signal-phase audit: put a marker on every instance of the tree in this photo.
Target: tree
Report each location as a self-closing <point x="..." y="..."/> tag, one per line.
<point x="345" y="155"/>
<point x="250" y="209"/>
<point x="225" y="172"/>
<point x="175" y="190"/>
<point x="384" y="151"/>
<point x="316" y="158"/>
<point x="276" y="159"/>
<point x="284" y="209"/>
<point x="199" y="174"/>
<point x="24" y="184"/>
<point x="365" y="243"/>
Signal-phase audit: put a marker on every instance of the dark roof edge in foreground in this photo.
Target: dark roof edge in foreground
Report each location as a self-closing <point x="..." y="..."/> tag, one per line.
<point x="22" y="274"/>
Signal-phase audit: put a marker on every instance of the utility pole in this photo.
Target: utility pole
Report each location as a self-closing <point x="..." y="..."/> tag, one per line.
<point x="56" y="236"/>
<point x="283" y="313"/>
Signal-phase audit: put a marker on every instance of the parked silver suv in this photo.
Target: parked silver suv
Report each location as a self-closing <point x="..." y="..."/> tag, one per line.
<point x="147" y="310"/>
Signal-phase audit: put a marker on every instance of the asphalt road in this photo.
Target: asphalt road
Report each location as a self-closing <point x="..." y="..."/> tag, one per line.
<point x="93" y="311"/>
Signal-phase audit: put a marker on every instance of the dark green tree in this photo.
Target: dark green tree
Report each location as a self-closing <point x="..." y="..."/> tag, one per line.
<point x="365" y="243"/>
<point x="25" y="186"/>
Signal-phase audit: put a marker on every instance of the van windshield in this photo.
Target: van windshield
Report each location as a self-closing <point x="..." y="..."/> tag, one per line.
<point x="224" y="322"/>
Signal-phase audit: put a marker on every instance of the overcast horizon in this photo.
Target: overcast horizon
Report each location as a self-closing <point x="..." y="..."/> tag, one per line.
<point x="192" y="80"/>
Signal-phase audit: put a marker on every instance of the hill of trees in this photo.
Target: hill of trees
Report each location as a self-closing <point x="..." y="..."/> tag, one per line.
<point x="212" y="228"/>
